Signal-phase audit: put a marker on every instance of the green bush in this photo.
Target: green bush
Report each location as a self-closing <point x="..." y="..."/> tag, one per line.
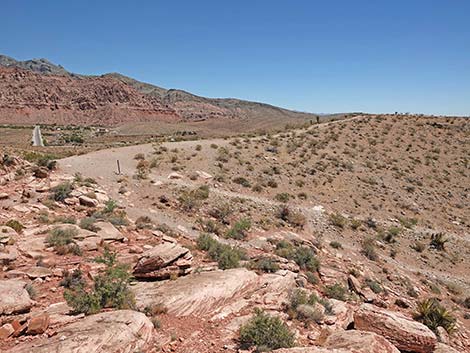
<point x="282" y="197"/>
<point x="62" y="240"/>
<point x="110" y="206"/>
<point x="338" y="220"/>
<point x="61" y="191"/>
<point x="88" y="223"/>
<point x="239" y="229"/>
<point x="265" y="264"/>
<point x="242" y="181"/>
<point x="110" y="289"/>
<point x="302" y="255"/>
<point x="265" y="332"/>
<point x="431" y="313"/>
<point x="336" y="291"/>
<point x="225" y="255"/>
<point x="16" y="225"/>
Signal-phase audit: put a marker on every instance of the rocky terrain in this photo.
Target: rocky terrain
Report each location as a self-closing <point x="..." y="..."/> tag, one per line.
<point x="37" y="91"/>
<point x="349" y="236"/>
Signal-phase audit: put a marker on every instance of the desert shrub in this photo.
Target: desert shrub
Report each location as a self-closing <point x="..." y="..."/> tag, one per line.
<point x="110" y="288"/>
<point x="62" y="240"/>
<point x="271" y="183"/>
<point x="72" y="279"/>
<point x="301" y="306"/>
<point x="242" y="181"/>
<point x="239" y="229"/>
<point x="110" y="206"/>
<point x="408" y="222"/>
<point x="65" y="219"/>
<point x="438" y="241"/>
<point x="61" y="191"/>
<point x="15" y="224"/>
<point x="306" y="259"/>
<point x="311" y="277"/>
<point x="336" y="291"/>
<point x="431" y="313"/>
<point x="309" y="313"/>
<point x="187" y="201"/>
<point x="302" y="255"/>
<point x="139" y="156"/>
<point x="144" y="222"/>
<point x="294" y="218"/>
<point x="32" y="292"/>
<point x="418" y="246"/>
<point x="337" y="220"/>
<point x="88" y="223"/>
<point x="201" y="193"/>
<point x="355" y="224"/>
<point x="336" y="245"/>
<point x="374" y="285"/>
<point x="368" y="249"/>
<point x="391" y="234"/>
<point x="265" y="332"/>
<point x="225" y="255"/>
<point x="221" y="212"/>
<point x="282" y="197"/>
<point x="265" y="264"/>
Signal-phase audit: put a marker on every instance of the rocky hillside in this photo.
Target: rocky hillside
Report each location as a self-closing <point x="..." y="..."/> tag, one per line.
<point x="37" y="91"/>
<point x="181" y="253"/>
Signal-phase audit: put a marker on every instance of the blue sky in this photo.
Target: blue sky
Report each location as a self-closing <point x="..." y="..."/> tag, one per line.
<point x="318" y="56"/>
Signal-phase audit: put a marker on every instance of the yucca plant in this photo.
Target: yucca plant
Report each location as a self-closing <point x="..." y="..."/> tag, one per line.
<point x="431" y="313"/>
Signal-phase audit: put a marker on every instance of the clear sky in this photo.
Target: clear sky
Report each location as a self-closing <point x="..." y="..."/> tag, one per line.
<point x="318" y="56"/>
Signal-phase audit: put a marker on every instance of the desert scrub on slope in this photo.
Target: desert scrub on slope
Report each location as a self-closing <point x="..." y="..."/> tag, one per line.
<point x="302" y="255"/>
<point x="266" y="333"/>
<point x="294" y="218"/>
<point x="62" y="239"/>
<point x="225" y="255"/>
<point x="15" y="224"/>
<point x="265" y="264"/>
<point x="239" y="229"/>
<point x="431" y="313"/>
<point x="110" y="289"/>
<point x="438" y="241"/>
<point x="61" y="191"/>
<point x="336" y="291"/>
<point x="338" y="220"/>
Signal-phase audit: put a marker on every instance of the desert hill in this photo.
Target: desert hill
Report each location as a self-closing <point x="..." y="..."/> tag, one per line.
<point x="38" y="91"/>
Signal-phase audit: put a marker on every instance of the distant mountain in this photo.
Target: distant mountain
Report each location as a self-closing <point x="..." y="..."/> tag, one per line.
<point x="40" y="91"/>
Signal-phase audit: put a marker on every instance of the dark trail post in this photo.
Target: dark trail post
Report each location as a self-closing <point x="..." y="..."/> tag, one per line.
<point x="118" y="166"/>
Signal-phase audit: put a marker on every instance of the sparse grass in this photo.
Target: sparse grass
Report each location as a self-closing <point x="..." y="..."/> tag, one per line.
<point x="266" y="333"/>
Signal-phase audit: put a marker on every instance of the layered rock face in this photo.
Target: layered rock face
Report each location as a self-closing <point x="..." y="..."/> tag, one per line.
<point x="27" y="97"/>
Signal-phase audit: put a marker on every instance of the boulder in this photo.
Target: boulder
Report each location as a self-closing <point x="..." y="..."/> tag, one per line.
<point x="38" y="324"/>
<point x="404" y="333"/>
<point x="38" y="272"/>
<point x="87" y="201"/>
<point x="108" y="231"/>
<point x="200" y="294"/>
<point x="443" y="348"/>
<point x="6" y="331"/>
<point x="14" y="298"/>
<point x="122" y="331"/>
<point x="311" y="350"/>
<point x="366" y="293"/>
<point x="163" y="260"/>
<point x="6" y="233"/>
<point x="359" y="342"/>
<point x="175" y="175"/>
